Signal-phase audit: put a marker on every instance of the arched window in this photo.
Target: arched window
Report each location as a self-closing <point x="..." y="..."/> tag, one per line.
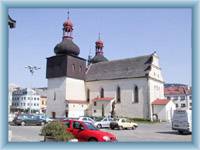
<point x="73" y="67"/>
<point x="80" y="69"/>
<point x="102" y="93"/>
<point x="136" y="98"/>
<point x="88" y="95"/>
<point x="118" y="95"/>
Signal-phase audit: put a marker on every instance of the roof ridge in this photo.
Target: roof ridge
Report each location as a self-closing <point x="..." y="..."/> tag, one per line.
<point x="124" y="59"/>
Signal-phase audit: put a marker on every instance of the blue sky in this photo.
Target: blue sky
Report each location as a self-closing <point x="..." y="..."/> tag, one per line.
<point x="126" y="33"/>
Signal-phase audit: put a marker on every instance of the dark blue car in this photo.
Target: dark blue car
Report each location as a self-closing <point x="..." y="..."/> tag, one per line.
<point x="27" y="119"/>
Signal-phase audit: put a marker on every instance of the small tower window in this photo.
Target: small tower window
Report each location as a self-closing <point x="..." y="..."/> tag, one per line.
<point x="118" y="95"/>
<point x="80" y="68"/>
<point x="102" y="93"/>
<point x="73" y="67"/>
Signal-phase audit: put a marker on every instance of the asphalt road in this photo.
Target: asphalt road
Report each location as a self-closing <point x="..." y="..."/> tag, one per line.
<point x="151" y="132"/>
<point x="145" y="132"/>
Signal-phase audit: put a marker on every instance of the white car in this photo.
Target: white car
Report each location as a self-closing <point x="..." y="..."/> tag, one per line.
<point x="104" y="123"/>
<point x="87" y="119"/>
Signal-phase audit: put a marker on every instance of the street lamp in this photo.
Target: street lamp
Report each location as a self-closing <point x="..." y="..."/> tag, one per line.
<point x="32" y="70"/>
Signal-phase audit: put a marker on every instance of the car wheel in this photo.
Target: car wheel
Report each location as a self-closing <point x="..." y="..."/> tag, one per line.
<point x="133" y="128"/>
<point x="22" y="123"/>
<point x="180" y="132"/>
<point x="99" y="126"/>
<point x="92" y="140"/>
<point x="42" y="123"/>
<point x="121" y="128"/>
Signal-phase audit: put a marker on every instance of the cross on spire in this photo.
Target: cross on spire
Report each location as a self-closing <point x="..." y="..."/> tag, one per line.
<point x="99" y="35"/>
<point x="68" y="14"/>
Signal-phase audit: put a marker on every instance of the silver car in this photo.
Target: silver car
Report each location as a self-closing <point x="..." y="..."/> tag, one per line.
<point x="104" y="123"/>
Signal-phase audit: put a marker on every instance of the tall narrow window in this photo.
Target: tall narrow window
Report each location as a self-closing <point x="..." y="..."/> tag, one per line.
<point x="136" y="98"/>
<point x="73" y="67"/>
<point x="102" y="93"/>
<point x="54" y="96"/>
<point x="88" y="95"/>
<point x="118" y="95"/>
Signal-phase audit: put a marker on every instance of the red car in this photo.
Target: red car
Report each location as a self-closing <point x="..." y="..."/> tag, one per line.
<point x="87" y="132"/>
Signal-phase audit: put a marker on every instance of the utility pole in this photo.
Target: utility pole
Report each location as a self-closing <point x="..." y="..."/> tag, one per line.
<point x="32" y="70"/>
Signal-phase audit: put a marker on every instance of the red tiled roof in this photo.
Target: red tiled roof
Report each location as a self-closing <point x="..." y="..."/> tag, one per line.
<point x="77" y="101"/>
<point x="43" y="96"/>
<point x="160" y="102"/>
<point x="176" y="90"/>
<point x="103" y="99"/>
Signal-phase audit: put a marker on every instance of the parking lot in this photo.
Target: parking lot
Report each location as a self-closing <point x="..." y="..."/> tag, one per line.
<point x="145" y="132"/>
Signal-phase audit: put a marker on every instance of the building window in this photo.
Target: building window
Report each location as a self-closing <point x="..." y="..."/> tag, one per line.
<point x="24" y="104"/>
<point x="190" y="97"/>
<point x="102" y="93"/>
<point x="37" y="98"/>
<point x="175" y="97"/>
<point x="88" y="95"/>
<point x="176" y="105"/>
<point x="54" y="96"/>
<point x="95" y="103"/>
<point x="190" y="104"/>
<point x="182" y="105"/>
<point x="80" y="68"/>
<point x="37" y="104"/>
<point x="73" y="67"/>
<point x="136" y="95"/>
<point x="34" y="98"/>
<point x="168" y="98"/>
<point x="118" y="95"/>
<point x="182" y="97"/>
<point x="24" y="98"/>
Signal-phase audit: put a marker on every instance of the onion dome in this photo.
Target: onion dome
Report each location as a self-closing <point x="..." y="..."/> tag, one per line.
<point x="67" y="46"/>
<point x="99" y="57"/>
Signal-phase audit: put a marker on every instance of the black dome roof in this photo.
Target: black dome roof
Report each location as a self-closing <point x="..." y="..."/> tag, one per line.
<point x="67" y="46"/>
<point x="98" y="58"/>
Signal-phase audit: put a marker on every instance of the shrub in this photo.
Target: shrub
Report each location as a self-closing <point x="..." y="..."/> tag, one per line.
<point x="57" y="131"/>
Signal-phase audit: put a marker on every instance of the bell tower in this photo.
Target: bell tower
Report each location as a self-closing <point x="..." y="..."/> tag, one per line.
<point x="66" y="74"/>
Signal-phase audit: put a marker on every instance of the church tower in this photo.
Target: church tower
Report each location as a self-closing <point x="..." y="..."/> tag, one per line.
<point x="99" y="57"/>
<point x="66" y="74"/>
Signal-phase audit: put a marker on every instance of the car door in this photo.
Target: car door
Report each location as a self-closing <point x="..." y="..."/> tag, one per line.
<point x="78" y="131"/>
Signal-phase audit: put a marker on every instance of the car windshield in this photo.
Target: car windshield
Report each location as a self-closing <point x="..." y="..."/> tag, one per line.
<point x="90" y="126"/>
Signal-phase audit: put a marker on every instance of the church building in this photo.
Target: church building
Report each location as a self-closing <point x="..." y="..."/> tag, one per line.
<point x="124" y="87"/>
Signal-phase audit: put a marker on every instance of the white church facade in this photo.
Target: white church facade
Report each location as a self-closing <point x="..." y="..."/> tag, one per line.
<point x="126" y="87"/>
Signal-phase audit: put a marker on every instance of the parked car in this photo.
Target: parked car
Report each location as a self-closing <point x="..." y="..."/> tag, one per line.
<point x="104" y="123"/>
<point x="87" y="119"/>
<point x="11" y="117"/>
<point x="182" y="121"/>
<point x="87" y="132"/>
<point x="123" y="123"/>
<point x="26" y="119"/>
<point x="45" y="117"/>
